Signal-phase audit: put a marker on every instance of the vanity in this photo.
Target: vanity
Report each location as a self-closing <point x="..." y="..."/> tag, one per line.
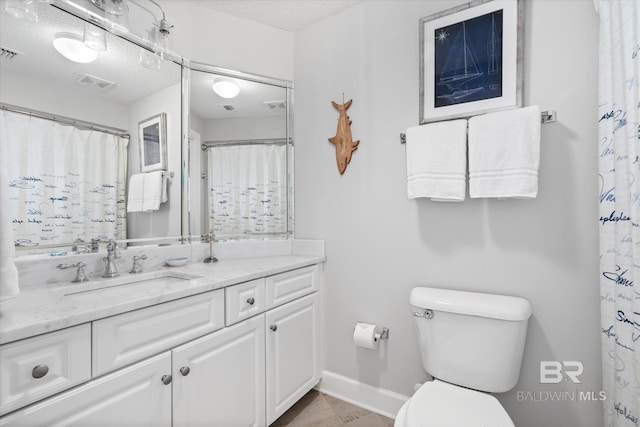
<point x="235" y="342"/>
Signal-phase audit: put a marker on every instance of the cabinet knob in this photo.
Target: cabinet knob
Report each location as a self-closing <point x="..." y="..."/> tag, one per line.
<point x="40" y="371"/>
<point x="166" y="379"/>
<point x="185" y="371"/>
<point x="251" y="301"/>
<point x="273" y="327"/>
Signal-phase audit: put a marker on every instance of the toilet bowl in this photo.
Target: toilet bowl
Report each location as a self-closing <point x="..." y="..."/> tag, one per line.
<point x="440" y="404"/>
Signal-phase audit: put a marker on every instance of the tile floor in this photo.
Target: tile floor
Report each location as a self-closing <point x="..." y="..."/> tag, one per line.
<point x="317" y="409"/>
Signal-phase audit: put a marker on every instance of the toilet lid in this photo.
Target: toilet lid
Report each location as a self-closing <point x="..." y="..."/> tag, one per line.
<point x="440" y="404"/>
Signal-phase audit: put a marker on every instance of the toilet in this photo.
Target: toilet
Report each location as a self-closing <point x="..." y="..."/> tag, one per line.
<point x="472" y="344"/>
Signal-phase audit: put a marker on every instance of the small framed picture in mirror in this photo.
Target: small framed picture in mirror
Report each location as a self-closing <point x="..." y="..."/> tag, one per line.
<point x="152" y="137"/>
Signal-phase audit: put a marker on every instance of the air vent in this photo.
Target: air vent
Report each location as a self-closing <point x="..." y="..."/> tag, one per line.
<point x="227" y="107"/>
<point x="276" y="105"/>
<point x="93" y="81"/>
<point x="7" y="53"/>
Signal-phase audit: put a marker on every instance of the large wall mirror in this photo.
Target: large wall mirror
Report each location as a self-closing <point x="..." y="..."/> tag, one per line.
<point x="240" y="155"/>
<point x="69" y="136"/>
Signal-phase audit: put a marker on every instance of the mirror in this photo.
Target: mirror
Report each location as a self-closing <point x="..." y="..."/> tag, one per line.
<point x="67" y="179"/>
<point x="241" y="155"/>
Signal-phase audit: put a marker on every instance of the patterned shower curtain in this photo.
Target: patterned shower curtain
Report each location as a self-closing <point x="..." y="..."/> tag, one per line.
<point x="248" y="189"/>
<point x="619" y="169"/>
<point x="63" y="183"/>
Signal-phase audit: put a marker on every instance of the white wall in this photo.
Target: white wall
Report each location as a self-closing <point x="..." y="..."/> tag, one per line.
<point x="167" y="220"/>
<point x="379" y="244"/>
<point x="25" y="91"/>
<point x="223" y="40"/>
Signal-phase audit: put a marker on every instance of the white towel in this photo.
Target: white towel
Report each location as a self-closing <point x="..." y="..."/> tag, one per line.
<point x="437" y="161"/>
<point x="155" y="190"/>
<point x="136" y="193"/>
<point x="504" y="154"/>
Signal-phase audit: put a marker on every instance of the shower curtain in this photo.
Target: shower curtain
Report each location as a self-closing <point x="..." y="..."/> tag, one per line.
<point x="247" y="189"/>
<point x="64" y="183"/>
<point x="619" y="170"/>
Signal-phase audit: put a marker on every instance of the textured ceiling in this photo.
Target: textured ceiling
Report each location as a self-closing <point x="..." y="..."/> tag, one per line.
<point x="288" y="15"/>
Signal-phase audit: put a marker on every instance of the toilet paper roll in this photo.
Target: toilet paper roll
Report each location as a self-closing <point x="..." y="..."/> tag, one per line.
<point x="366" y="336"/>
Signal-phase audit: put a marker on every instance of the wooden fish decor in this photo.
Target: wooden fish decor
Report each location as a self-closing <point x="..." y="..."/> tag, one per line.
<point x="344" y="145"/>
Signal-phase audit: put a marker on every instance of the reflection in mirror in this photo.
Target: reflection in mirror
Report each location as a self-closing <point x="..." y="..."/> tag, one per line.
<point x="241" y="156"/>
<point x="69" y="135"/>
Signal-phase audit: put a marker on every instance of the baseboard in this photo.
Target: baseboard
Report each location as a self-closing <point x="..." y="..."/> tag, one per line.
<point x="381" y="401"/>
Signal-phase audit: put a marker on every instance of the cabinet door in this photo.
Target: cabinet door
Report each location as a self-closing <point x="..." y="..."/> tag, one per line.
<point x="134" y="396"/>
<point x="293" y="353"/>
<point x="225" y="382"/>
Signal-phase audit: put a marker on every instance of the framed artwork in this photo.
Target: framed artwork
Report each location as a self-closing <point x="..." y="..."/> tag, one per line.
<point x="152" y="137"/>
<point x="471" y="60"/>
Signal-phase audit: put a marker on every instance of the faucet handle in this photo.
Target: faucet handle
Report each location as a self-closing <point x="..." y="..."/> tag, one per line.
<point x="137" y="264"/>
<point x="80" y="275"/>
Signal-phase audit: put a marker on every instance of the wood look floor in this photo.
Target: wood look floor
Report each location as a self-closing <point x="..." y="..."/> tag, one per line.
<point x="317" y="409"/>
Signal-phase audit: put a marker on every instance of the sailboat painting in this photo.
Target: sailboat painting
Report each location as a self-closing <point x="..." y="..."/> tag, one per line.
<point x="471" y="60"/>
<point x="468" y="60"/>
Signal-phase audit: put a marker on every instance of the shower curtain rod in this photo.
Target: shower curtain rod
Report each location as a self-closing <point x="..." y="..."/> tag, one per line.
<point x="274" y="141"/>
<point x="80" y="124"/>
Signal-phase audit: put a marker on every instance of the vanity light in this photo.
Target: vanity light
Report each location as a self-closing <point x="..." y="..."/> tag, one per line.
<point x="226" y="88"/>
<point x="72" y="47"/>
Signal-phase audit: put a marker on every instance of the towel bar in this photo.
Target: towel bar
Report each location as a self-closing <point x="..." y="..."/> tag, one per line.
<point x="547" y="116"/>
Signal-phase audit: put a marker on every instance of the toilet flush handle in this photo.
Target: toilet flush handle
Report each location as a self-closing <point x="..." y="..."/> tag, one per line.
<point x="427" y="313"/>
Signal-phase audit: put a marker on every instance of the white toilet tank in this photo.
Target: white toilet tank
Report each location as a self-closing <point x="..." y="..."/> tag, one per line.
<point x="472" y="339"/>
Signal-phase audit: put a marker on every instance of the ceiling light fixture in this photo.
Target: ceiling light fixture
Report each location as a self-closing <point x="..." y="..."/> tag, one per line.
<point x="72" y="47"/>
<point x="226" y="88"/>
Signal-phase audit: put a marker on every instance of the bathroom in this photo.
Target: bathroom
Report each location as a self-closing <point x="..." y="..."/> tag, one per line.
<point x="379" y="244"/>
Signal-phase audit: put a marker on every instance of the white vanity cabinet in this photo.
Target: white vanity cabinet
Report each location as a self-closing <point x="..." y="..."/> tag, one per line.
<point x="293" y="353"/>
<point x="133" y="396"/>
<point x="41" y="366"/>
<point x="220" y="379"/>
<point x="238" y="356"/>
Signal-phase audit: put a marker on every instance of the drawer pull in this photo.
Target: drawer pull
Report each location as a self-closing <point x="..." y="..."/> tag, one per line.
<point x="185" y="371"/>
<point x="166" y="379"/>
<point x="251" y="301"/>
<point x="273" y="327"/>
<point x="40" y="371"/>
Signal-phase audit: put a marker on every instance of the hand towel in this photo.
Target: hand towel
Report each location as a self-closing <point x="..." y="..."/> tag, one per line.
<point x="136" y="193"/>
<point x="504" y="154"/>
<point x="437" y="161"/>
<point x="153" y="191"/>
<point x="9" y="285"/>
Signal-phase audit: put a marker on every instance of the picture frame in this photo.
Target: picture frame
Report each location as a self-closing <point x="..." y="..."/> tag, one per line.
<point x="471" y="60"/>
<point x="152" y="138"/>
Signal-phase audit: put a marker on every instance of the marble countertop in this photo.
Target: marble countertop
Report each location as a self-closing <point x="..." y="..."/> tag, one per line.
<point x="56" y="306"/>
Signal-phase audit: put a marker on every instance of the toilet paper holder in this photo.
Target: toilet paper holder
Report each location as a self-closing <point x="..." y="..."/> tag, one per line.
<point x="384" y="335"/>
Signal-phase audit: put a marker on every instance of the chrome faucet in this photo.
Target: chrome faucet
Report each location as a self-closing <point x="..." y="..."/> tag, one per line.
<point x="113" y="253"/>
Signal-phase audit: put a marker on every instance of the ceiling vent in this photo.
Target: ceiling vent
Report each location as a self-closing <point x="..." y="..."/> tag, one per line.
<point x="276" y="105"/>
<point x="227" y="107"/>
<point x="93" y="81"/>
<point x="7" y="53"/>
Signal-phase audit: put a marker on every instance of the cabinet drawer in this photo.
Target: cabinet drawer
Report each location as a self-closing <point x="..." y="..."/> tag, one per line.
<point x="126" y="338"/>
<point x="293" y="284"/>
<point x="245" y="300"/>
<point x="134" y="396"/>
<point x="63" y="359"/>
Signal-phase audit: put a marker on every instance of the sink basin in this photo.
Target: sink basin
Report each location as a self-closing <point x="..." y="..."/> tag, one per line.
<point x="152" y="280"/>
